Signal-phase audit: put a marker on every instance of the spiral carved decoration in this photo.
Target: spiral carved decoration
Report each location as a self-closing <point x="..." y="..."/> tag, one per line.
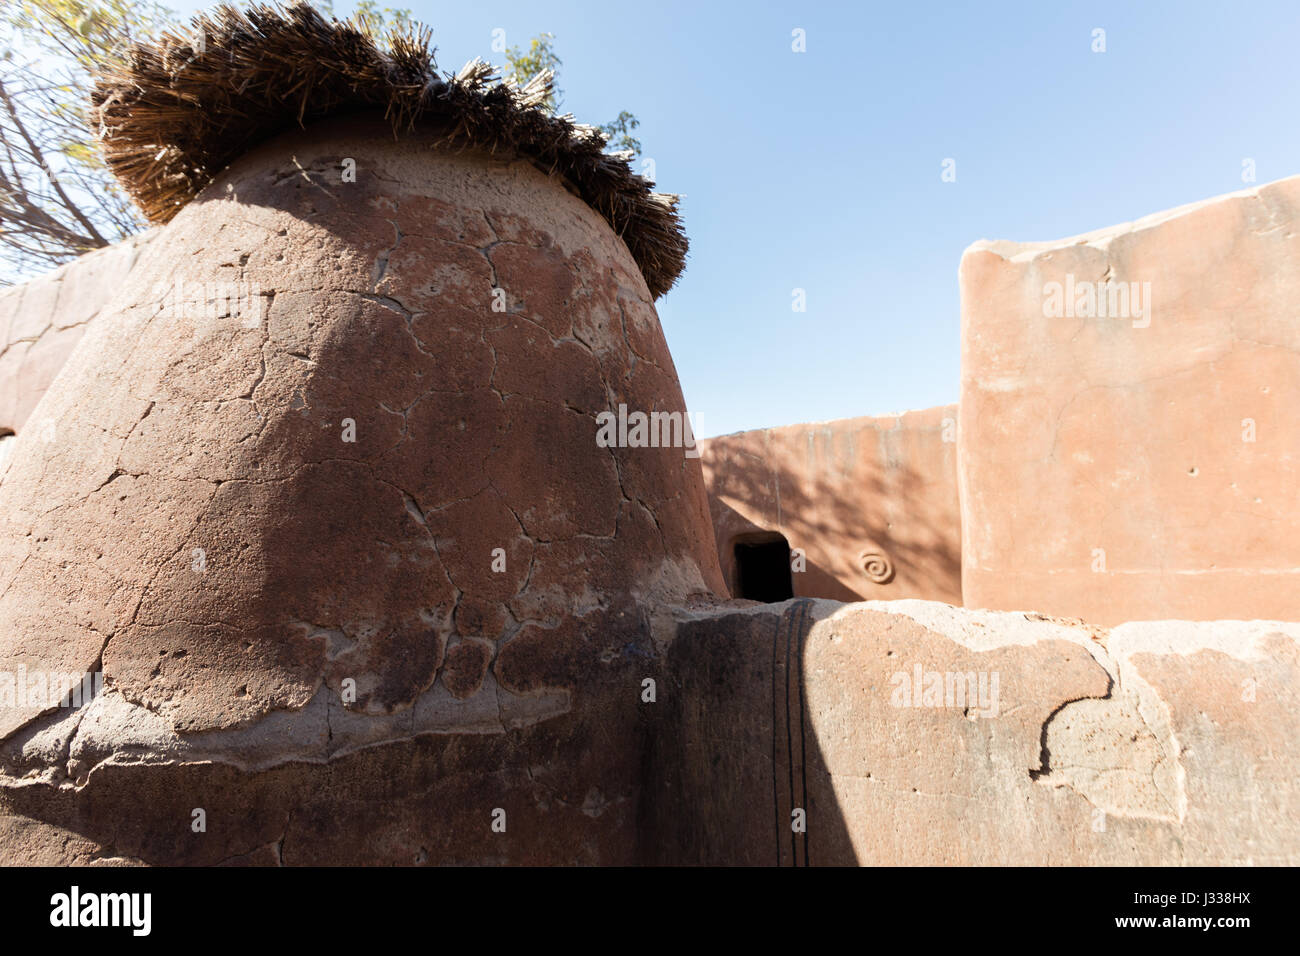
<point x="877" y="566"/>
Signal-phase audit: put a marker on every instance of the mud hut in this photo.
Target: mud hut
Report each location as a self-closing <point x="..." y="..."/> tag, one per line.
<point x="323" y="503"/>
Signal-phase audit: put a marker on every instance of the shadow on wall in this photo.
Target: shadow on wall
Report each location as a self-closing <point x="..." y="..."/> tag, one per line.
<point x="736" y="533"/>
<point x="875" y="531"/>
<point x="516" y="688"/>
<point x="736" y="775"/>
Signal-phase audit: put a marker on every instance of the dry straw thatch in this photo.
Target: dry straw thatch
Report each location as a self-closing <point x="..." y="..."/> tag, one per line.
<point x="171" y="116"/>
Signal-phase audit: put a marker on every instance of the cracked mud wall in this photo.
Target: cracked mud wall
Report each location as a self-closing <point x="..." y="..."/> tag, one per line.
<point x="200" y="530"/>
<point x="1132" y="746"/>
<point x="43" y="319"/>
<point x="1143" y="466"/>
<point x="1163" y="742"/>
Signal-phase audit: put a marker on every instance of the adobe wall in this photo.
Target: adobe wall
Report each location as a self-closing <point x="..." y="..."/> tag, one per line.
<point x="352" y="551"/>
<point x="800" y="734"/>
<point x="789" y="734"/>
<point x="871" y="501"/>
<point x="41" y="320"/>
<point x="1146" y="465"/>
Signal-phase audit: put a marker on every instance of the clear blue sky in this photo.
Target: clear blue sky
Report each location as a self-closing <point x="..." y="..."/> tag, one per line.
<point x="821" y="170"/>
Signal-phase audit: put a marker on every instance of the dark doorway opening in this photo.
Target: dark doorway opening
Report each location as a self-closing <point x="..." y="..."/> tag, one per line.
<point x="763" y="568"/>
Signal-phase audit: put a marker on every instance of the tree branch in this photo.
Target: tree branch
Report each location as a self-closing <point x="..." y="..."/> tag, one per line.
<point x="39" y="157"/>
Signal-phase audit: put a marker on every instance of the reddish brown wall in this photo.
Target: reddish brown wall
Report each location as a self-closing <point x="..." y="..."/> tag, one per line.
<point x="357" y="508"/>
<point x="41" y="320"/>
<point x="1131" y="746"/>
<point x="1144" y="466"/>
<point x="841" y="488"/>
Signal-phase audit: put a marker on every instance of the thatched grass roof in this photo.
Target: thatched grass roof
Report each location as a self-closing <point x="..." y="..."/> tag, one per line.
<point x="171" y="117"/>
